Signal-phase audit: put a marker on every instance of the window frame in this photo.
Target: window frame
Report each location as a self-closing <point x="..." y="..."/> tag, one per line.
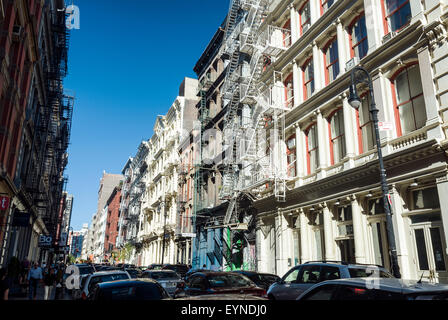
<point x="333" y="139"/>
<point x="308" y="62"/>
<point x="289" y="102"/>
<point x="329" y="64"/>
<point x="308" y="151"/>
<point x="306" y="22"/>
<point x="288" y="153"/>
<point x="399" y="129"/>
<point x="361" y="126"/>
<point x="387" y="29"/>
<point x="350" y="31"/>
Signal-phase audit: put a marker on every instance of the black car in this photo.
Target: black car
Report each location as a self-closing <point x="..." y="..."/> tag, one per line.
<point x="155" y="266"/>
<point x="192" y="271"/>
<point x="180" y="269"/>
<point x="134" y="272"/>
<point x="263" y="280"/>
<point x="135" y="289"/>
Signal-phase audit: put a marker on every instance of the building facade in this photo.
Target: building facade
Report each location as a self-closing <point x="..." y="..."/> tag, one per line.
<point x="35" y="123"/>
<point x="333" y="208"/>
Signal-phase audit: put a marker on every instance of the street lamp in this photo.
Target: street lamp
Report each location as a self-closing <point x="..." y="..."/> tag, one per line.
<point x="360" y="75"/>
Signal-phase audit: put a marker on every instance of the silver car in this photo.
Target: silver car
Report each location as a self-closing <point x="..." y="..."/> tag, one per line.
<point x="304" y="276"/>
<point x="168" y="279"/>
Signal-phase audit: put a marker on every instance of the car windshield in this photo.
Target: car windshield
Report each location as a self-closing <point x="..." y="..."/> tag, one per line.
<point x="106" y="278"/>
<point x="163" y="275"/>
<point x="367" y="272"/>
<point x="228" y="281"/>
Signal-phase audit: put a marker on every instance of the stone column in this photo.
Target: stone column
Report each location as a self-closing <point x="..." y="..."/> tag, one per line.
<point x="360" y="241"/>
<point x="374" y="23"/>
<point x="442" y="189"/>
<point x="318" y="64"/>
<point x="322" y="139"/>
<point x="328" y="233"/>
<point x="343" y="55"/>
<point x="300" y="150"/>
<point x="429" y="92"/>
<point x="298" y="94"/>
<point x="350" y="132"/>
<point x="294" y="24"/>
<point x="400" y="231"/>
<point x="304" y="237"/>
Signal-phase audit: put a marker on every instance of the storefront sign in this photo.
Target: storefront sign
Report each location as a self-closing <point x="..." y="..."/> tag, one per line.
<point x="4" y="202"/>
<point x="45" y="241"/>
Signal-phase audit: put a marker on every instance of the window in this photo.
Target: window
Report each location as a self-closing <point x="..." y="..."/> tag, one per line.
<point x="329" y="273"/>
<point x="291" y="156"/>
<point x="289" y="92"/>
<point x="305" y="17"/>
<point x="398" y="14"/>
<point x="286" y="34"/>
<point x="426" y="199"/>
<point x="325" y="5"/>
<point x="292" y="276"/>
<point x="365" y="125"/>
<point x="308" y="78"/>
<point x="331" y="60"/>
<point x="409" y="101"/>
<point x="310" y="274"/>
<point x="312" y="149"/>
<point x="358" y="37"/>
<point x="337" y="136"/>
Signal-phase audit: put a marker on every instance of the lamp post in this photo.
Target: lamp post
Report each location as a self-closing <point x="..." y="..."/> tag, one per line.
<point x="360" y="75"/>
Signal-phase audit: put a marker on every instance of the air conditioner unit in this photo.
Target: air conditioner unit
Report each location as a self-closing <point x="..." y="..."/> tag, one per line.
<point x="351" y="63"/>
<point x="389" y="36"/>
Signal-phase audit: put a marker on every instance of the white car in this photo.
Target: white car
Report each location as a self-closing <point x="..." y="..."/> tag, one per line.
<point x="97" y="277"/>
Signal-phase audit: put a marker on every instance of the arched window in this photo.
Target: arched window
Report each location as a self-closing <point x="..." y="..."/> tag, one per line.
<point x="289" y="92"/>
<point x="359" y="45"/>
<point x="312" y="149"/>
<point x="305" y="17"/>
<point x="337" y="136"/>
<point x="410" y="112"/>
<point x="397" y="14"/>
<point x="291" y="156"/>
<point x="331" y="59"/>
<point x="365" y="125"/>
<point x="308" y="78"/>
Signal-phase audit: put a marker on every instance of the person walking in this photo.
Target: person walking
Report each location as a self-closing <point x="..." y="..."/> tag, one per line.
<point x="49" y="281"/>
<point x="34" y="276"/>
<point x="4" y="284"/>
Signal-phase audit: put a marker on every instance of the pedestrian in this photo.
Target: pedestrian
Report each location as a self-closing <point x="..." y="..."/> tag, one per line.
<point x="4" y="284"/>
<point x="49" y="281"/>
<point x="34" y="276"/>
<point x="59" y="279"/>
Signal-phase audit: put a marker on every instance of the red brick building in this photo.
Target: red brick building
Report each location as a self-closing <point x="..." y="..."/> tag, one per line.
<point x="113" y="216"/>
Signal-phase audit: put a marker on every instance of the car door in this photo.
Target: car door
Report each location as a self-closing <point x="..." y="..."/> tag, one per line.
<point x="287" y="288"/>
<point x="309" y="275"/>
<point x="196" y="285"/>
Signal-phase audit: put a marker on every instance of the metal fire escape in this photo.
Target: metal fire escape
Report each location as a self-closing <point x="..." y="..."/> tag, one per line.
<point x="254" y="123"/>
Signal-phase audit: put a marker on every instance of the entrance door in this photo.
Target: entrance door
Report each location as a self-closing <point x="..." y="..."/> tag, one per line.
<point x="347" y="250"/>
<point x="429" y="250"/>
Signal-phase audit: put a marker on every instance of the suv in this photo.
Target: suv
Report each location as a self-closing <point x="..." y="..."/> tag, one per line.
<point x="180" y="269"/>
<point x="302" y="277"/>
<point x="376" y="289"/>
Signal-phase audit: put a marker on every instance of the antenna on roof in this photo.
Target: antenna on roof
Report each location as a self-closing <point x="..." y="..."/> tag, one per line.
<point x="420" y="281"/>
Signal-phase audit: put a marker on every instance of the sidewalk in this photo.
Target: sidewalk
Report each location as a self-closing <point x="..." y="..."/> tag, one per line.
<point x="40" y="295"/>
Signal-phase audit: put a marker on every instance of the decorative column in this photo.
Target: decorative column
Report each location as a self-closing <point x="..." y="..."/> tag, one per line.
<point x="429" y="92"/>
<point x="374" y="23"/>
<point x="342" y="46"/>
<point x="442" y="189"/>
<point x="299" y="153"/>
<point x="360" y="242"/>
<point x="328" y="233"/>
<point x="304" y="237"/>
<point x="350" y="132"/>
<point x="317" y="66"/>
<point x="298" y="94"/>
<point x="323" y="161"/>
<point x="294" y="23"/>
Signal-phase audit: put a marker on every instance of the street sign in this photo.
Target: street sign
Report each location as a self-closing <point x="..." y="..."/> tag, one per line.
<point x="189" y="235"/>
<point x="4" y="202"/>
<point x="385" y="126"/>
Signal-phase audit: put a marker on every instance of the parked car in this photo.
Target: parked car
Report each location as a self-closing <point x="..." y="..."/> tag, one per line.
<point x="168" y="279"/>
<point x="180" y="269"/>
<point x="263" y="280"/>
<point x="84" y="270"/>
<point x="215" y="282"/>
<point x="191" y="271"/>
<point x="230" y="297"/>
<point x="134" y="272"/>
<point x="98" y="277"/>
<point x="155" y="266"/>
<point x="376" y="289"/>
<point x="135" y="289"/>
<point x="300" y="278"/>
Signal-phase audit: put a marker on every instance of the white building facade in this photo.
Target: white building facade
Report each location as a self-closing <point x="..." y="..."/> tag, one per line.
<point x="333" y="208"/>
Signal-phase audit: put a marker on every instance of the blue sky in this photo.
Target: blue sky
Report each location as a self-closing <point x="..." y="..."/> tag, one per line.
<point x="126" y="63"/>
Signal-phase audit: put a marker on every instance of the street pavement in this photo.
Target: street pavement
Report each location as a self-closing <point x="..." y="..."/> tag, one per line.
<point x="40" y="295"/>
